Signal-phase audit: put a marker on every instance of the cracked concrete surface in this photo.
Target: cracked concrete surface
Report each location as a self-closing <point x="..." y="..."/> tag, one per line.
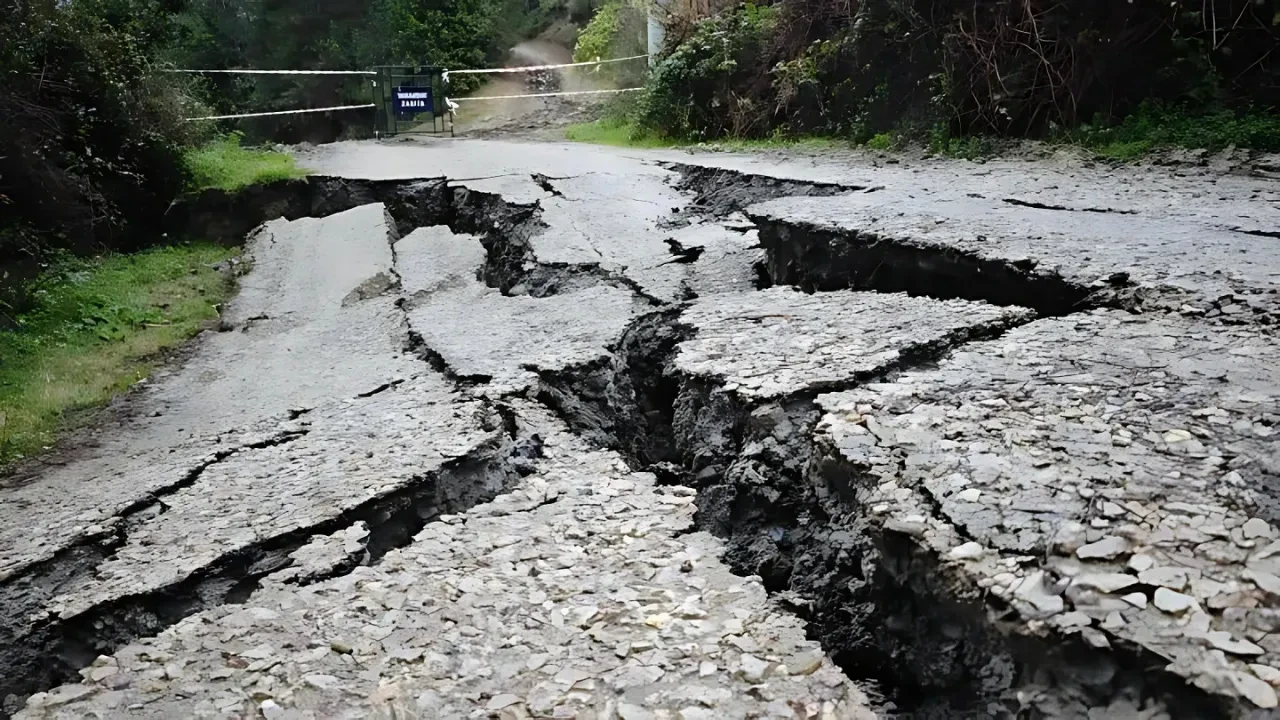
<point x="603" y="605"/>
<point x="1109" y="258"/>
<point x="556" y="439"/>
<point x="1105" y="475"/>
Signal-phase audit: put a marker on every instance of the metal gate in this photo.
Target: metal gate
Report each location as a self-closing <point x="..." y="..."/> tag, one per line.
<point x="410" y="100"/>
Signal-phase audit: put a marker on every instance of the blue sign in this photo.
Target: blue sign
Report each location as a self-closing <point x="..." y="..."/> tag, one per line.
<point x="411" y="100"/>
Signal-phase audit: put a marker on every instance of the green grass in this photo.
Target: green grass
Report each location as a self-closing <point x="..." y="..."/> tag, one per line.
<point x="225" y="164"/>
<point x="1159" y="127"/>
<point x="617" y="133"/>
<point x="96" y="328"/>
<point x="620" y="133"/>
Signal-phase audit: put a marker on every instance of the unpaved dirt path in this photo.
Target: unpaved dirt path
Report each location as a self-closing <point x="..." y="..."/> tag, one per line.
<point x="540" y="430"/>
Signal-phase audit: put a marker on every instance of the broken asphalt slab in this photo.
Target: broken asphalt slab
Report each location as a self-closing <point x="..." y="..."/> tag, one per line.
<point x="619" y="290"/>
<point x="1104" y="476"/>
<point x="985" y="249"/>
<point x="580" y="593"/>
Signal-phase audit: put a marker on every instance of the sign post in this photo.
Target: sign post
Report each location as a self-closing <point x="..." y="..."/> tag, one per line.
<point x="410" y="100"/>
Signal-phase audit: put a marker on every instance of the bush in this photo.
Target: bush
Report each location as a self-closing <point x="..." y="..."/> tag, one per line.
<point x="1033" y="68"/>
<point x="708" y="87"/>
<point x="1156" y="126"/>
<point x="91" y="137"/>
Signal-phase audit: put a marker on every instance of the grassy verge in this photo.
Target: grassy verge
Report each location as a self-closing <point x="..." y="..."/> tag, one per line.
<point x="1153" y="128"/>
<point x="95" y="329"/>
<point x="225" y="164"/>
<point x="617" y="133"/>
<point x="620" y="133"/>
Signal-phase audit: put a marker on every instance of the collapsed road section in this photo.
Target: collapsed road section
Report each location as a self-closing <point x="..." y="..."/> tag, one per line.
<point x="982" y="472"/>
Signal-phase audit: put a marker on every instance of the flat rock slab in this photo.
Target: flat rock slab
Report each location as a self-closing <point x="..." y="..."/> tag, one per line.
<point x="1168" y="263"/>
<point x="482" y="334"/>
<point x="1107" y="474"/>
<point x="781" y="341"/>
<point x="580" y="594"/>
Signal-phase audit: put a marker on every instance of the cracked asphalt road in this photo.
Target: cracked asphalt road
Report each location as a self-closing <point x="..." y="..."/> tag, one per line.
<point x="515" y="456"/>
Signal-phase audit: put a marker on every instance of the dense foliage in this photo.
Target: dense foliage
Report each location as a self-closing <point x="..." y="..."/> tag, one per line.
<point x="90" y="137"/>
<point x="856" y="68"/>
<point x="710" y="84"/>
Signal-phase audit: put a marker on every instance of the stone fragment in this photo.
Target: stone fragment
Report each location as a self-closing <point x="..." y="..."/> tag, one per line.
<point x="805" y="663"/>
<point x="502" y="700"/>
<point x="1095" y="638"/>
<point x="754" y="669"/>
<point x="1172" y="602"/>
<point x="1226" y="643"/>
<point x="1107" y="548"/>
<point x="1264" y="580"/>
<point x="270" y="709"/>
<point x="1141" y="562"/>
<point x="1032" y="590"/>
<point x="1106" y="582"/>
<point x="629" y="711"/>
<point x="1169" y="577"/>
<point x="1258" y="692"/>
<point x="572" y="676"/>
<point x="1138" y="600"/>
<point x="1257" y="528"/>
<point x="1267" y="673"/>
<point x="967" y="551"/>
<point x="320" y="681"/>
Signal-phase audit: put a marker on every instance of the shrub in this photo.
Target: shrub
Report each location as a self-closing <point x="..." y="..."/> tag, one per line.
<point x="706" y="87"/>
<point x="90" y="137"/>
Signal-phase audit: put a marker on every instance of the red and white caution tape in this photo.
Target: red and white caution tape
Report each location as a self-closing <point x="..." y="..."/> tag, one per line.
<point x="281" y="72"/>
<point x="283" y="112"/>
<point x="545" y="94"/>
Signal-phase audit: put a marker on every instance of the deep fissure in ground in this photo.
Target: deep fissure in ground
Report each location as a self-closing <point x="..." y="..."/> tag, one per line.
<point x="787" y="508"/>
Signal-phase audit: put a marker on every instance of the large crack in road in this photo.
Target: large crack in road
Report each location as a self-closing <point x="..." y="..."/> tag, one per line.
<point x="991" y="467"/>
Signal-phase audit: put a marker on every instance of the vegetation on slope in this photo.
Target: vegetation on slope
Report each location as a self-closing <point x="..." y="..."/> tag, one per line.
<point x="1124" y="78"/>
<point x="95" y="329"/>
